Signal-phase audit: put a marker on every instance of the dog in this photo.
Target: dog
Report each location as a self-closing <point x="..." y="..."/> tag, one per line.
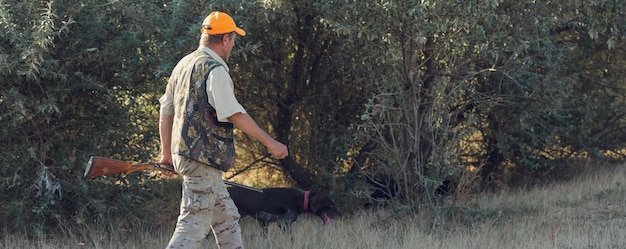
<point x="282" y="205"/>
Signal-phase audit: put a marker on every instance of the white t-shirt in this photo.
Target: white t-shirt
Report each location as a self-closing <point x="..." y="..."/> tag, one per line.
<point x="220" y="90"/>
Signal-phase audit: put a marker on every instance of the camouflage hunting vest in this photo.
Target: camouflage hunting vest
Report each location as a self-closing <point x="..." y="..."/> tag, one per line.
<point x="196" y="132"/>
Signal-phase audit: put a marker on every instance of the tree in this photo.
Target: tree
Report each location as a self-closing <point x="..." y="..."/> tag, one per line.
<point x="298" y="74"/>
<point x="407" y="94"/>
<point x="78" y="81"/>
<point x="474" y="87"/>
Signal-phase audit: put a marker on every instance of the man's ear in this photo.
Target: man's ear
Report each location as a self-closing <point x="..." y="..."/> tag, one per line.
<point x="227" y="37"/>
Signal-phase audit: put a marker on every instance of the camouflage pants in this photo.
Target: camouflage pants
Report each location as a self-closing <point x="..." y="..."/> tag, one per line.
<point x="205" y="205"/>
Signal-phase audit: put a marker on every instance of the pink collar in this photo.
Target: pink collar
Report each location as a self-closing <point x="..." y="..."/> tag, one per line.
<point x="306" y="201"/>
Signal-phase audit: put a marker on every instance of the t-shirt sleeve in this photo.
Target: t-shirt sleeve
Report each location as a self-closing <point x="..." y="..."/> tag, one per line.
<point x="167" y="105"/>
<point x="220" y="90"/>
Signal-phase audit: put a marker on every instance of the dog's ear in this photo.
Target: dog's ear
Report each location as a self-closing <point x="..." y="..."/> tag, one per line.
<point x="314" y="202"/>
<point x="318" y="202"/>
<point x="323" y="207"/>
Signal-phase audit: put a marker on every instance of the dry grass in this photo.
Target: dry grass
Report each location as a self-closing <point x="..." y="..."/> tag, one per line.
<point x="589" y="212"/>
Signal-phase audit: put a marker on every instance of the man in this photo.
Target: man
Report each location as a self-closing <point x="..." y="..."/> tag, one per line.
<point x="198" y="111"/>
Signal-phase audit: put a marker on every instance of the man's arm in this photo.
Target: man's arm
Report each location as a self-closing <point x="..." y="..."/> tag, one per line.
<point x="244" y="122"/>
<point x="165" y="131"/>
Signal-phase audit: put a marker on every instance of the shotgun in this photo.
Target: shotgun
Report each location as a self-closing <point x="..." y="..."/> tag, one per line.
<point x="100" y="166"/>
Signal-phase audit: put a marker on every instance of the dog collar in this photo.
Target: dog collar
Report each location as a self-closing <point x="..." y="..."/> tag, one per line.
<point x="306" y="201"/>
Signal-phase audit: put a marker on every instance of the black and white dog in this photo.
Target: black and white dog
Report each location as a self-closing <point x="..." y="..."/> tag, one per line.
<point x="282" y="205"/>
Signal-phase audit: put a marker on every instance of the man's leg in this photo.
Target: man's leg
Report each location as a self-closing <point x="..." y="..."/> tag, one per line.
<point x="197" y="204"/>
<point x="226" y="220"/>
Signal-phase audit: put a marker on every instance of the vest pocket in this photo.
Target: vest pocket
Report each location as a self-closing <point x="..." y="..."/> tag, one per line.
<point x="223" y="150"/>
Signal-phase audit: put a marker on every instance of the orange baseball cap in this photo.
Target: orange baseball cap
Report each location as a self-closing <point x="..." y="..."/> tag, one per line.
<point x="220" y="23"/>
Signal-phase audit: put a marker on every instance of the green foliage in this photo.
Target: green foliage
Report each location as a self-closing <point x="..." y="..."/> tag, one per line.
<point x="423" y="90"/>
<point x="77" y="82"/>
<point x="487" y="86"/>
<point x="537" y="116"/>
<point x="302" y="80"/>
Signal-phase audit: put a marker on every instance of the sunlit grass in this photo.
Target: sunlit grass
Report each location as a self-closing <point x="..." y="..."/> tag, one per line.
<point x="588" y="212"/>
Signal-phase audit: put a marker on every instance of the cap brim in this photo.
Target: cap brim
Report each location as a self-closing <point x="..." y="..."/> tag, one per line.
<point x="240" y="32"/>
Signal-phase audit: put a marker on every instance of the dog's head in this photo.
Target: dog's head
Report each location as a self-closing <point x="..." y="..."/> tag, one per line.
<point x="324" y="208"/>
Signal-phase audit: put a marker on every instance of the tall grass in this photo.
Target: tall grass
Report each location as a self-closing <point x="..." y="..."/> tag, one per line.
<point x="586" y="212"/>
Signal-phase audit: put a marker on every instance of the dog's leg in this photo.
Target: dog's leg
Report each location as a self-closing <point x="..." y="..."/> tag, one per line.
<point x="284" y="226"/>
<point x="289" y="218"/>
<point x="264" y="227"/>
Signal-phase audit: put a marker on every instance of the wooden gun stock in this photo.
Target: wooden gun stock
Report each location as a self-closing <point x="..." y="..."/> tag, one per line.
<point x="99" y="166"/>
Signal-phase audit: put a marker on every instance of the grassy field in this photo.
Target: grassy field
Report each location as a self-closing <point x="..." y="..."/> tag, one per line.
<point x="586" y="212"/>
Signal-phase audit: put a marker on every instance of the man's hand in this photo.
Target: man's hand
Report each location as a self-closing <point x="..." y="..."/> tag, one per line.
<point x="167" y="160"/>
<point x="278" y="150"/>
